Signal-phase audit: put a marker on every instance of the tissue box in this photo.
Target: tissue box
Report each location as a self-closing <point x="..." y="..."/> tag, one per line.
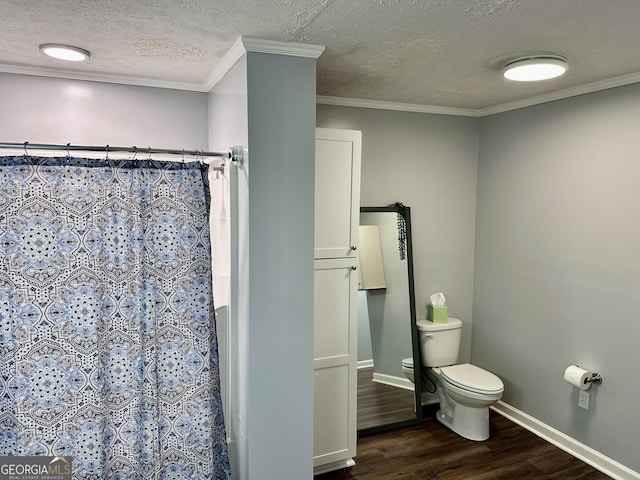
<point x="437" y="314"/>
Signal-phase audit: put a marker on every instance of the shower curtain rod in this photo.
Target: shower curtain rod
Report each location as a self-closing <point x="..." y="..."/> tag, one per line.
<point x="235" y="153"/>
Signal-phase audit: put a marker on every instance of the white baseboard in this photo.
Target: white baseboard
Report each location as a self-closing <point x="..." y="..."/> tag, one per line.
<point x="365" y="363"/>
<point x="330" y="467"/>
<point x="570" y="445"/>
<point x="393" y="381"/>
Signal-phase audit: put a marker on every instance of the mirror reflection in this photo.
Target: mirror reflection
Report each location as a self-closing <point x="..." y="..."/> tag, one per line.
<point x="386" y="395"/>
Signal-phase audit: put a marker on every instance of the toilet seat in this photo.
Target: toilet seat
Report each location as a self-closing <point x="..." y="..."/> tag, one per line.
<point x="471" y="378"/>
<point x="407" y="362"/>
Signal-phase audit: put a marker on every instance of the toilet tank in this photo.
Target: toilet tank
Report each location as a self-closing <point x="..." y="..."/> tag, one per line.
<point x="439" y="342"/>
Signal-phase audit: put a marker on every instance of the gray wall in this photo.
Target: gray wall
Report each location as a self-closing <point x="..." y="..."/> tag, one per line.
<point x="365" y="353"/>
<point x="557" y="275"/>
<point x="267" y="103"/>
<point x="428" y="162"/>
<point x="280" y="175"/>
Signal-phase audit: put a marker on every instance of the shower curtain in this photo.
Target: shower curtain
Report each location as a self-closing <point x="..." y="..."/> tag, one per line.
<point x="108" y="349"/>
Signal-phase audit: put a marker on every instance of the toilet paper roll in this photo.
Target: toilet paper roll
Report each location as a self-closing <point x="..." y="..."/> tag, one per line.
<point x="577" y="377"/>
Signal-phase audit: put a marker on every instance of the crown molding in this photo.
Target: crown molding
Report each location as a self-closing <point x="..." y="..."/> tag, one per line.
<point x="483" y="112"/>
<point x="402" y="107"/>
<point x="99" y="77"/>
<point x="234" y="54"/>
<point x="614" y="82"/>
<point x="281" y="48"/>
<point x="247" y="44"/>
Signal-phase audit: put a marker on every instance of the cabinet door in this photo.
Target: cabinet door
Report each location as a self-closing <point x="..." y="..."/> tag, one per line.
<point x="335" y="369"/>
<point x="337" y="192"/>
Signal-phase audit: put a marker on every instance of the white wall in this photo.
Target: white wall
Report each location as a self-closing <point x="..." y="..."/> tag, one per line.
<point x="558" y="262"/>
<point x="228" y="126"/>
<point x="428" y="162"/>
<point x="50" y="110"/>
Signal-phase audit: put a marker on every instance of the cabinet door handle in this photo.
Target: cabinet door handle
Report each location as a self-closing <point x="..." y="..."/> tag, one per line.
<point x="354" y="248"/>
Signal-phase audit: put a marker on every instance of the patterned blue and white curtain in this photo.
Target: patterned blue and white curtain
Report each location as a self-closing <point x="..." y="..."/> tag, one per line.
<point x="108" y="349"/>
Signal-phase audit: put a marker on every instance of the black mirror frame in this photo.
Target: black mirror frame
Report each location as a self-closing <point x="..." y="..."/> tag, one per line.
<point x="405" y="212"/>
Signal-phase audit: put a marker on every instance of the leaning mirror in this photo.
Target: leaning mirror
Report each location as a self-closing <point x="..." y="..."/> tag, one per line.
<point x="387" y="335"/>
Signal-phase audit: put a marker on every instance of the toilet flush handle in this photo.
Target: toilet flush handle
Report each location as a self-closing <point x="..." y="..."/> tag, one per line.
<point x="427" y="335"/>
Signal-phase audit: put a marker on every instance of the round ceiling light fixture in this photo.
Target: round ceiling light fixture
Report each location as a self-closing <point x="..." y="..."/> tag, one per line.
<point x="64" y="52"/>
<point x="535" y="68"/>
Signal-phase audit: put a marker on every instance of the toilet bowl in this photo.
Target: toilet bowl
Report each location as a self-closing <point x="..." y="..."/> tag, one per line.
<point x="465" y="391"/>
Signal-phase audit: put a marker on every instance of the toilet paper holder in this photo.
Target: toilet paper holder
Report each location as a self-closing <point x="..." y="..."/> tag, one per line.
<point x="580" y="377"/>
<point x="595" y="378"/>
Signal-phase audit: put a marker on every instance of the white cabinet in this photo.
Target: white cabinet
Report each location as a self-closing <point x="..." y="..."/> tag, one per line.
<point x="335" y="374"/>
<point x="337" y="212"/>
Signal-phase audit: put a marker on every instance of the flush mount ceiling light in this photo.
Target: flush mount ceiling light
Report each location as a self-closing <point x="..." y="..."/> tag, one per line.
<point x="532" y="69"/>
<point x="64" y="52"/>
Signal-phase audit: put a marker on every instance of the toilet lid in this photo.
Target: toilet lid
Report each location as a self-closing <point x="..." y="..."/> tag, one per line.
<point x="470" y="377"/>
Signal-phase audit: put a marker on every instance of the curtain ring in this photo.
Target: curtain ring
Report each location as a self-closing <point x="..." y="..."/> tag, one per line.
<point x="26" y="153"/>
<point x="149" y="157"/>
<point x="135" y="152"/>
<point x="107" y="150"/>
<point x="68" y="154"/>
<point x="183" y="156"/>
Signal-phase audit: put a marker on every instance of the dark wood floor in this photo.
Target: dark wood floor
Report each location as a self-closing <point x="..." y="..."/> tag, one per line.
<point x="380" y="404"/>
<point x="431" y="451"/>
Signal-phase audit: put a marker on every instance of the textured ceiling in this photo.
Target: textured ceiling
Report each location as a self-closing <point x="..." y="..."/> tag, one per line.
<point x="443" y="53"/>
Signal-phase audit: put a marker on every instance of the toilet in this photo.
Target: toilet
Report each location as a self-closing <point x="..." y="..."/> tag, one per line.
<point x="465" y="391"/>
